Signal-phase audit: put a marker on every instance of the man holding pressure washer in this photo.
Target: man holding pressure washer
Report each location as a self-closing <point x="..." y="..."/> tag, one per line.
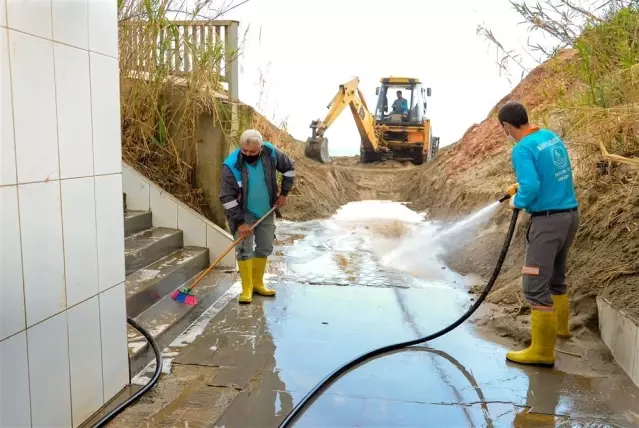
<point x="248" y="193"/>
<point x="545" y="190"/>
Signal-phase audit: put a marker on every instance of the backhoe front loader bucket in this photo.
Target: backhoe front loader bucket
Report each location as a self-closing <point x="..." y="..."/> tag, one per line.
<point x="317" y="149"/>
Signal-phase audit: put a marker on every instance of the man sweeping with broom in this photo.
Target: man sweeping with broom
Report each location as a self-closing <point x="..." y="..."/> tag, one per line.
<point x="248" y="193"/>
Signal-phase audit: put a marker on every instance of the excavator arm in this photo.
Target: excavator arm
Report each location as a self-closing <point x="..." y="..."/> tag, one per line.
<point x="348" y="95"/>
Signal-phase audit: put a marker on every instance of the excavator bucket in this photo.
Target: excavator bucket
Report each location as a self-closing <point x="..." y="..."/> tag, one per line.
<point x="317" y="149"/>
<point x="317" y="145"/>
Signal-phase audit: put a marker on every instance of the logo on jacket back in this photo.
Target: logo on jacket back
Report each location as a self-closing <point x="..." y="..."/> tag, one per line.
<point x="559" y="157"/>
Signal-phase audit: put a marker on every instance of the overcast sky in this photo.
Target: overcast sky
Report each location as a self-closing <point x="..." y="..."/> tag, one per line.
<point x="304" y="49"/>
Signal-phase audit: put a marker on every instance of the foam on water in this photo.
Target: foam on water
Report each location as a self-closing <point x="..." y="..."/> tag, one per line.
<point x="376" y="243"/>
<point x="377" y="210"/>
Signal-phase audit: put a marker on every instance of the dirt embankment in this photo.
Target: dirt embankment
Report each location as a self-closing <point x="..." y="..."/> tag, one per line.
<point x="471" y="174"/>
<point x="605" y="257"/>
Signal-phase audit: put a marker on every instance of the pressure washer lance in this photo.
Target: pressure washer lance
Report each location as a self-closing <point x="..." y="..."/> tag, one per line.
<point x="319" y="389"/>
<point x="510" y="192"/>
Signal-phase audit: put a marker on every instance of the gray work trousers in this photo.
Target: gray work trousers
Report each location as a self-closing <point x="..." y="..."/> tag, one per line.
<point x="262" y="239"/>
<point x="548" y="241"/>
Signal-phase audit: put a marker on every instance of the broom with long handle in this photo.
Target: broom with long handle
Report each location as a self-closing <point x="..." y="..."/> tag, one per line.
<point x="186" y="296"/>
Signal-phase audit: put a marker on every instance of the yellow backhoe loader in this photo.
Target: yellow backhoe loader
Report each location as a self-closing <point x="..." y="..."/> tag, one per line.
<point x="402" y="132"/>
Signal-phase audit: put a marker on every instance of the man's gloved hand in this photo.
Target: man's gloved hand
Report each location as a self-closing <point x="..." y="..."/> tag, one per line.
<point x="512" y="190"/>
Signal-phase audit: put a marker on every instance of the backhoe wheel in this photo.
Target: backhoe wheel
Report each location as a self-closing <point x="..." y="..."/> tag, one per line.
<point x="317" y="149"/>
<point x="418" y="159"/>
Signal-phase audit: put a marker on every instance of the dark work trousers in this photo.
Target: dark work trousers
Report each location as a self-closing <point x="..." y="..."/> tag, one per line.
<point x="548" y="241"/>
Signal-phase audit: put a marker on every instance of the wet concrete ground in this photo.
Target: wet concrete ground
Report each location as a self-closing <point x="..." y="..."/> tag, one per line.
<point x="251" y="364"/>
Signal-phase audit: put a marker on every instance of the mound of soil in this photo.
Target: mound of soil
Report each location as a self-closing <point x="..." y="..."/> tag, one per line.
<point x="474" y="171"/>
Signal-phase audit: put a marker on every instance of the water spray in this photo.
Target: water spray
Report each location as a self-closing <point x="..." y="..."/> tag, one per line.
<point x="319" y="389"/>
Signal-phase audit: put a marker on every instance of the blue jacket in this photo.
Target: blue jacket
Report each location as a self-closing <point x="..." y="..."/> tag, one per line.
<point x="234" y="186"/>
<point x="544" y="173"/>
<point x="400" y="105"/>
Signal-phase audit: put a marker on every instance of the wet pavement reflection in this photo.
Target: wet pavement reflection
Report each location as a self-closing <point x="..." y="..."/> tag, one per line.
<point x="334" y="302"/>
<point x="290" y="343"/>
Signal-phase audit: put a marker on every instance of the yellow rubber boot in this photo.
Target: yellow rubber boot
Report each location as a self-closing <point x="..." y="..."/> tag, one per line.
<point x="543" y="329"/>
<point x="259" y="266"/>
<point x="246" y="274"/>
<point x="563" y="310"/>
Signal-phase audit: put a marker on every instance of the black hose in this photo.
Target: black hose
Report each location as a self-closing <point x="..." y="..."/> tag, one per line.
<point x="339" y="372"/>
<point x="156" y="376"/>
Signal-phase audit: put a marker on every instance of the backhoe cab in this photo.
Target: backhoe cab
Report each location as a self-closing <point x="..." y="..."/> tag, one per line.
<point x="397" y="130"/>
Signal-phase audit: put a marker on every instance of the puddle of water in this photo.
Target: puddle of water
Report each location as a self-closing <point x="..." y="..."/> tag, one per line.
<point x="187" y="337"/>
<point x="360" y="212"/>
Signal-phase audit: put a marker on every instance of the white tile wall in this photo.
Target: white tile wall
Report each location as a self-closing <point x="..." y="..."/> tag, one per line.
<point x="105" y="106"/>
<point x="193" y="227"/>
<point x="62" y="231"/>
<point x="7" y="144"/>
<point x="14" y="382"/>
<point x="217" y="242"/>
<point x="163" y="208"/>
<point x="3" y="15"/>
<point x="80" y="239"/>
<point x="42" y="250"/>
<point x="70" y="22"/>
<point x="621" y="334"/>
<point x="34" y="109"/>
<point x="626" y="344"/>
<point x="137" y="192"/>
<point x="32" y="17"/>
<point x="73" y="96"/>
<point x="11" y="286"/>
<point x="49" y="373"/>
<point x="85" y="352"/>
<point x="170" y="212"/>
<point x="110" y="230"/>
<point x="114" y="340"/>
<point x="103" y="27"/>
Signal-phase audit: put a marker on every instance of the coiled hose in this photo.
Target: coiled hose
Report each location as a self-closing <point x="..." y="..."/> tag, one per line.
<point x="156" y="376"/>
<point x="339" y="372"/>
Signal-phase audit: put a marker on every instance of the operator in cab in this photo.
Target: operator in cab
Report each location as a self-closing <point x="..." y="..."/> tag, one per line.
<point x="546" y="191"/>
<point x="400" y="105"/>
<point x="248" y="192"/>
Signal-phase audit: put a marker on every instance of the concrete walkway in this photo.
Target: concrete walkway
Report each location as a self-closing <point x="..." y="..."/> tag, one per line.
<point x="252" y="363"/>
<point x="246" y="366"/>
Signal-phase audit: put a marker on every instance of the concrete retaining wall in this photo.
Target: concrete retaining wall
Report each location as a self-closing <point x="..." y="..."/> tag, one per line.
<point x="144" y="195"/>
<point x="620" y="333"/>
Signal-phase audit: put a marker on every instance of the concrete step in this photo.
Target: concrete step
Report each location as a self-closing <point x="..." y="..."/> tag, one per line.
<point x="144" y="248"/>
<point x="167" y="319"/>
<point x="136" y="222"/>
<point x="148" y="285"/>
